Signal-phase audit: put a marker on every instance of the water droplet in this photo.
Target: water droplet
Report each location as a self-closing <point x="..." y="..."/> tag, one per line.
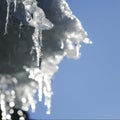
<point x="11" y="104"/>
<point x="21" y="118"/>
<point x="20" y="113"/>
<point x="11" y="111"/>
<point x="23" y="100"/>
<point x="8" y="116"/>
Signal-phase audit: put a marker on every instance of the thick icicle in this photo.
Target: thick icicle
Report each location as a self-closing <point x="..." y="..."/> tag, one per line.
<point x="3" y="106"/>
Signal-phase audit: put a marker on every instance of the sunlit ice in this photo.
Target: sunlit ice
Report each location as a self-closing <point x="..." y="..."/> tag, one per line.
<point x="35" y="35"/>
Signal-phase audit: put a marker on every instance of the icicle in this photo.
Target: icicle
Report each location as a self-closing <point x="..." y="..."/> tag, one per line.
<point x="15" y="5"/>
<point x="38" y="21"/>
<point x="44" y="84"/>
<point x="20" y="29"/>
<point x="3" y="106"/>
<point x="40" y="87"/>
<point x="47" y="93"/>
<point x="37" y="45"/>
<point x="7" y="16"/>
<point x="32" y="102"/>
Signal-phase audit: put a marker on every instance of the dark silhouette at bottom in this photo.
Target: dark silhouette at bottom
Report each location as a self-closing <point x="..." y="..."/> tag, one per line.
<point x="17" y="115"/>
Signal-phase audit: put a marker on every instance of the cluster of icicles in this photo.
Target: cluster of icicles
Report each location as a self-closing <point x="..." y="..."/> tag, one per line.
<point x="15" y="93"/>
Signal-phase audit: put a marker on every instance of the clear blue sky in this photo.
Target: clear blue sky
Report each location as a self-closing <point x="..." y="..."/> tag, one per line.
<point x="90" y="87"/>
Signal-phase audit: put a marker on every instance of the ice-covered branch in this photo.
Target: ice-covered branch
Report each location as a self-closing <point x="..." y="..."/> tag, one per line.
<point x="35" y="35"/>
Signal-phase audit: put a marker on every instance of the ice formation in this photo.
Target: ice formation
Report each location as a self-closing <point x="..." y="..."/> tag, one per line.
<point x="55" y="33"/>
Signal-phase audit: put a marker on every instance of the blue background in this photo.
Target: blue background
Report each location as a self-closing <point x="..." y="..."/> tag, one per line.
<point x="89" y="88"/>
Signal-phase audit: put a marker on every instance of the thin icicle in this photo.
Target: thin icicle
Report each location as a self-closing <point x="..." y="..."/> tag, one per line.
<point x="7" y="16"/>
<point x="15" y="5"/>
<point x="47" y="90"/>
<point x="40" y="89"/>
<point x="20" y="29"/>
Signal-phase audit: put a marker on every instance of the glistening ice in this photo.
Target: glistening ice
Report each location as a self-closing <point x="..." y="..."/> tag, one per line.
<point x="35" y="35"/>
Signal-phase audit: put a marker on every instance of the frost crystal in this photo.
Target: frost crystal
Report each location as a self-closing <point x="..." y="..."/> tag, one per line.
<point x="55" y="33"/>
